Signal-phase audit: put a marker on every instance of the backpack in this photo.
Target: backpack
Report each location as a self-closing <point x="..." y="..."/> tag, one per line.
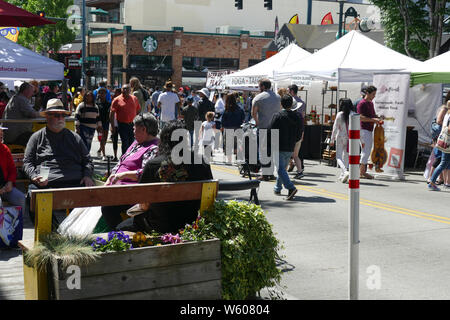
<point x="145" y="94"/>
<point x="435" y="129"/>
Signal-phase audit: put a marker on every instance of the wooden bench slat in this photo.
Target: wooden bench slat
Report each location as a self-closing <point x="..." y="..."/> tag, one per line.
<point x="119" y="195"/>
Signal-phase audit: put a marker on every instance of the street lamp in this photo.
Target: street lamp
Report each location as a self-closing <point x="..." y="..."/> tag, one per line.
<point x="341" y="12"/>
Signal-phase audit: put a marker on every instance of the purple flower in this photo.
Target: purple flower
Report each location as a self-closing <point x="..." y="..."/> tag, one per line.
<point x="169" y="238"/>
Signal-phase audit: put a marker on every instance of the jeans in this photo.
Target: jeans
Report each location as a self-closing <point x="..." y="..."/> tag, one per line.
<point x="265" y="150"/>
<point x="445" y="164"/>
<point x="283" y="177"/>
<point x="15" y="197"/>
<point x="126" y="135"/>
<point x="87" y="134"/>
<point x="366" y="144"/>
<point x="191" y="135"/>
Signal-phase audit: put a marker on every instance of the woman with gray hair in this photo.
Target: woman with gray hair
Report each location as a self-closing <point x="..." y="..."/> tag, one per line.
<point x="145" y="147"/>
<point x="132" y="163"/>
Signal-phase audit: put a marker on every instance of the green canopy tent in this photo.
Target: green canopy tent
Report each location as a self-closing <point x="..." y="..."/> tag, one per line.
<point x="435" y="70"/>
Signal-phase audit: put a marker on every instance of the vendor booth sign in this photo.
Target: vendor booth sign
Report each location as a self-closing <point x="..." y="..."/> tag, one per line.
<point x="245" y="81"/>
<point x="216" y="80"/>
<point x="301" y="81"/>
<point x="391" y="101"/>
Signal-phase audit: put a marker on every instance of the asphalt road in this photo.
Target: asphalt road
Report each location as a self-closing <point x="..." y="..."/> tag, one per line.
<point x="404" y="250"/>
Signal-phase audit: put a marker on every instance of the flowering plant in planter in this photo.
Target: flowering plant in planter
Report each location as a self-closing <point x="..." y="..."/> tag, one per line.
<point x="249" y="248"/>
<point x="117" y="241"/>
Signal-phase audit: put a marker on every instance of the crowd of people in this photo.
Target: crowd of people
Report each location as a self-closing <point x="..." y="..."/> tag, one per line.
<point x="144" y="120"/>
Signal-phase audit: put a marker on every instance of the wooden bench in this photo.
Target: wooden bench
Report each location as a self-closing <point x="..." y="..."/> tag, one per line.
<point x="18" y="161"/>
<point x="47" y="200"/>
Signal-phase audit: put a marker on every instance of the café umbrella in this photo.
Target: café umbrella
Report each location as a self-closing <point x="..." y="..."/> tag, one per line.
<point x="12" y="16"/>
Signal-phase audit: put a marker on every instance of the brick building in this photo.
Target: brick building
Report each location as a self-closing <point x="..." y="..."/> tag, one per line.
<point x="183" y="57"/>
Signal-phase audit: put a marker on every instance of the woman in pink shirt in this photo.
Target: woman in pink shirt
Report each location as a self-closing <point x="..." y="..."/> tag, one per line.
<point x="131" y="164"/>
<point x="128" y="170"/>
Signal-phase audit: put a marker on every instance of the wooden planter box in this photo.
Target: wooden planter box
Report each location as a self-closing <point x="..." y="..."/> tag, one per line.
<point x="190" y="270"/>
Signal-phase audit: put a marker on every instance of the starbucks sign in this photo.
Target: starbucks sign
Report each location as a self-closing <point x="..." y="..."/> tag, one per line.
<point x="150" y="44"/>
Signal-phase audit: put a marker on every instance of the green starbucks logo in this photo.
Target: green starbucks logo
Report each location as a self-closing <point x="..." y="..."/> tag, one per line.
<point x="149" y="44"/>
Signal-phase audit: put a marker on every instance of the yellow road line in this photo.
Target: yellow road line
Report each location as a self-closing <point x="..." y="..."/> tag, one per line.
<point x="369" y="203"/>
<point x="378" y="204"/>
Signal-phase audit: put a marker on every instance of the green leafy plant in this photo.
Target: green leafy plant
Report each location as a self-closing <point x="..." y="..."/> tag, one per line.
<point x="249" y="247"/>
<point x="71" y="250"/>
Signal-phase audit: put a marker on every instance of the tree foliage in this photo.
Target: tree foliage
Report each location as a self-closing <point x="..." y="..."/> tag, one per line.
<point x="413" y="27"/>
<point x="47" y="37"/>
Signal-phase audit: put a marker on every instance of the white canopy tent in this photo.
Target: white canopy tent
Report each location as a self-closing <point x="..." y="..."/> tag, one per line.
<point x="439" y="63"/>
<point x="249" y="77"/>
<point x="19" y="63"/>
<point x="352" y="58"/>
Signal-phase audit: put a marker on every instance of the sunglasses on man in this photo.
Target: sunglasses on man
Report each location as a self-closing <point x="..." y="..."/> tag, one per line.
<point x="57" y="115"/>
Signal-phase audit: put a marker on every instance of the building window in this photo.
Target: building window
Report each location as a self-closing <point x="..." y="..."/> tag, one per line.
<point x="151" y="62"/>
<point x="99" y="62"/>
<point x="204" y="64"/>
<point x="252" y="62"/>
<point x="100" y="65"/>
<point x="117" y="62"/>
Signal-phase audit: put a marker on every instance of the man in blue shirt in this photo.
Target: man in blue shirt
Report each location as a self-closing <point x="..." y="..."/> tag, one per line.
<point x="108" y="94"/>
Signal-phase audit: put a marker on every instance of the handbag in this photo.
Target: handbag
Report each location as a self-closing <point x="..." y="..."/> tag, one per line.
<point x="11" y="226"/>
<point x="443" y="140"/>
<point x="80" y="222"/>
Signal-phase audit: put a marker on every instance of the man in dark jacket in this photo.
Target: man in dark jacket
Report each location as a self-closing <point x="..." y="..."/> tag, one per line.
<point x="290" y="127"/>
<point x="204" y="105"/>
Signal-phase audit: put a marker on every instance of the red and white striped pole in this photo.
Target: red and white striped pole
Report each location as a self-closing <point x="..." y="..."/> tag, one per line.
<point x="354" y="158"/>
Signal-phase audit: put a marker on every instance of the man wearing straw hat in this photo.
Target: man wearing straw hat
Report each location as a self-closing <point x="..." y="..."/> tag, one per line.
<point x="60" y="151"/>
<point x="19" y="107"/>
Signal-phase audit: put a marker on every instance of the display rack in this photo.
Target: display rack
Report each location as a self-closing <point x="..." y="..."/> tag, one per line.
<point x="334" y="100"/>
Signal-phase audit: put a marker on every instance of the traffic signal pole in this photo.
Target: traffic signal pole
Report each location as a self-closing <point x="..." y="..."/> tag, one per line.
<point x="83" y="49"/>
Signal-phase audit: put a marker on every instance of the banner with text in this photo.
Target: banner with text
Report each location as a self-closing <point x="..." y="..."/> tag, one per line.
<point x="391" y="101"/>
<point x="216" y="79"/>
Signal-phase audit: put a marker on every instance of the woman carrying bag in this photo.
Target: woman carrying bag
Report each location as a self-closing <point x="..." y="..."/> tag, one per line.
<point x="443" y="144"/>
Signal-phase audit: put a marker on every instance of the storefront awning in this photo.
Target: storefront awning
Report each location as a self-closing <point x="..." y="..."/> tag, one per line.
<point x="69" y="48"/>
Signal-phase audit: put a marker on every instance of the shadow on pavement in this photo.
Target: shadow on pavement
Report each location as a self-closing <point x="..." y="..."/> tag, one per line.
<point x="284" y="266"/>
<point x="372" y="184"/>
<point x="318" y="175"/>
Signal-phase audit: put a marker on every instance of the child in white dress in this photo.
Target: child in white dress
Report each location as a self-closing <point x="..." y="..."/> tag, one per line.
<point x="340" y="136"/>
<point x="206" y="134"/>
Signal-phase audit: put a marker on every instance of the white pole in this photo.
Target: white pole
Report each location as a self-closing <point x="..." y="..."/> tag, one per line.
<point x="354" y="158"/>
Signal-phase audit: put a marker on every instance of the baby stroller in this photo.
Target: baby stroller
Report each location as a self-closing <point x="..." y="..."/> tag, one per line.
<point x="245" y="167"/>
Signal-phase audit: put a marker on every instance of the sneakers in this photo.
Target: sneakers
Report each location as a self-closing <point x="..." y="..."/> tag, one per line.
<point x="433" y="187"/>
<point x="299" y="175"/>
<point x="345" y="177"/>
<point x="277" y="193"/>
<point x="291" y="194"/>
<point x="266" y="178"/>
<point x="366" y="176"/>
